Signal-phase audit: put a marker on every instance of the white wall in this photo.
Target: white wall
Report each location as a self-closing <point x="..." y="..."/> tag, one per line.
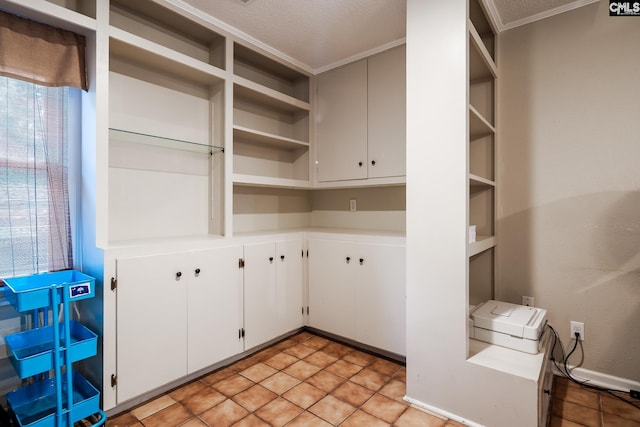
<point x="569" y="178"/>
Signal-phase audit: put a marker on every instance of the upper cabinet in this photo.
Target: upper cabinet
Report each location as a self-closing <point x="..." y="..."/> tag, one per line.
<point x="360" y="119"/>
<point x="271" y="114"/>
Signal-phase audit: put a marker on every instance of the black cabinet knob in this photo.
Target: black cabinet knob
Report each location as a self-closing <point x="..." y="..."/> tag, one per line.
<point x="178" y="274"/>
<point x="547" y="391"/>
<point x="360" y="164"/>
<point x="348" y="259"/>
<point x="361" y="261"/>
<point x="373" y="162"/>
<point x="197" y="271"/>
<point x="270" y="259"/>
<point x="282" y="257"/>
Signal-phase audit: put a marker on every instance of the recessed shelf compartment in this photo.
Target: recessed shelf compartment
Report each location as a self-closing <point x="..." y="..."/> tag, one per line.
<point x="481" y="244"/>
<point x="481" y="64"/>
<point x="478" y="181"/>
<point x="482" y="27"/>
<point x="254" y="92"/>
<point x="251" y="135"/>
<point x="84" y="7"/>
<point x="270" y="73"/>
<point x="133" y="49"/>
<point x="168" y="28"/>
<point x="161" y="142"/>
<point x="478" y="125"/>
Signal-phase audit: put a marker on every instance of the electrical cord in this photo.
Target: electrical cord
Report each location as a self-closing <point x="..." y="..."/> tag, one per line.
<point x="568" y="374"/>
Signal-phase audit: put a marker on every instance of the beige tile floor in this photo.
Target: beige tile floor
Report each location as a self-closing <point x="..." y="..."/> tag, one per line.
<point x="309" y="381"/>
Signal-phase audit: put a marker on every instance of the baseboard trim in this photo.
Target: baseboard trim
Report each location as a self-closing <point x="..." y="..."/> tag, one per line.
<point x="600" y="379"/>
<point x="440" y="413"/>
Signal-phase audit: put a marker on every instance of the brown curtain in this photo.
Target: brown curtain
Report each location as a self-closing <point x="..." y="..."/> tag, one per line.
<point x="41" y="54"/>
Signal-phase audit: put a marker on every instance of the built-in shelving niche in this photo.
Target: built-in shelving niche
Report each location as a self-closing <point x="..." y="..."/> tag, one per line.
<point x="83" y="7"/>
<point x="270" y="121"/>
<point x="166" y="28"/>
<point x="166" y="163"/>
<point x="481" y="277"/>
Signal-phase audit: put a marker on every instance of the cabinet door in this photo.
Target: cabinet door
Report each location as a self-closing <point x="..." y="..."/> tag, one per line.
<point x="341" y="123"/>
<point x="387" y="113"/>
<point x="289" y="281"/>
<point x="381" y="297"/>
<point x="152" y="323"/>
<point x="260" y="296"/>
<point x="332" y="294"/>
<point x="215" y="306"/>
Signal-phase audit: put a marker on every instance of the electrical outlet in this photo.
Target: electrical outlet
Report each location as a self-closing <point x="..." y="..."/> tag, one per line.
<point x="528" y="301"/>
<point x="577" y="327"/>
<point x="352" y="205"/>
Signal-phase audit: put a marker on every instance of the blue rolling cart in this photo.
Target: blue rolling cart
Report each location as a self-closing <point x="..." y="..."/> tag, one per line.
<point x="66" y="397"/>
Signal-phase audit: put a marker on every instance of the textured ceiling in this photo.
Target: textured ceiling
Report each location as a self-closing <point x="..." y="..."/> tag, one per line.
<point x="319" y="34"/>
<point x="314" y="32"/>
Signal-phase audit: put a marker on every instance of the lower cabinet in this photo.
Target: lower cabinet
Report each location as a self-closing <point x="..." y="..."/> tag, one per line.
<point x="176" y="313"/>
<point x="179" y="313"/>
<point x="273" y="290"/>
<point x="357" y="291"/>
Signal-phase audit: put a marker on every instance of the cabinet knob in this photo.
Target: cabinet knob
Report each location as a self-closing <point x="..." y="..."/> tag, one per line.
<point x="197" y="271"/>
<point x="373" y="162"/>
<point x="361" y="261"/>
<point x="178" y="274"/>
<point x="282" y="257"/>
<point x="270" y="259"/>
<point x="360" y="164"/>
<point x="547" y="391"/>
<point x="348" y="259"/>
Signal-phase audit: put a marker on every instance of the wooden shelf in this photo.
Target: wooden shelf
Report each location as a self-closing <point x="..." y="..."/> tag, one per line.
<point x="478" y="181"/>
<point x="265" y="181"/>
<point x="258" y="93"/>
<point x="137" y="50"/>
<point x="479" y="127"/>
<point x="481" y="64"/>
<point x="270" y="72"/>
<point x="481" y="244"/>
<point x="259" y="137"/>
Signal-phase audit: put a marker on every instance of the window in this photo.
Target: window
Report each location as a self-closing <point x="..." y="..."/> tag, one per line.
<point x="35" y="232"/>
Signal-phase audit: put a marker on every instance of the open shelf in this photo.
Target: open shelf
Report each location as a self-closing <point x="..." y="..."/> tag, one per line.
<point x="270" y="73"/>
<point x="147" y="54"/>
<point x="482" y="243"/>
<point x="266" y="181"/>
<point x="158" y="141"/>
<point x="481" y="64"/>
<point x="169" y="28"/>
<point x="478" y="181"/>
<point x="482" y="26"/>
<point x="478" y="125"/>
<point x="259" y="137"/>
<point x="264" y="95"/>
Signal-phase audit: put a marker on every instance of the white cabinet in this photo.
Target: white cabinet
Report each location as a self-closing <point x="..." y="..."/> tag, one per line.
<point x="332" y="291"/>
<point x="273" y="286"/>
<point x="341" y="123"/>
<point x="386" y="109"/>
<point x="176" y="313"/>
<point x="357" y="290"/>
<point x="360" y="122"/>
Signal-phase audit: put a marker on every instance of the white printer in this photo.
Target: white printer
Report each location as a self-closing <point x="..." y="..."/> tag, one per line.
<point x="508" y="325"/>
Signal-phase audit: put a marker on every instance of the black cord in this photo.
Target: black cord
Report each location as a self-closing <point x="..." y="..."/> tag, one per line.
<point x="567" y="373"/>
